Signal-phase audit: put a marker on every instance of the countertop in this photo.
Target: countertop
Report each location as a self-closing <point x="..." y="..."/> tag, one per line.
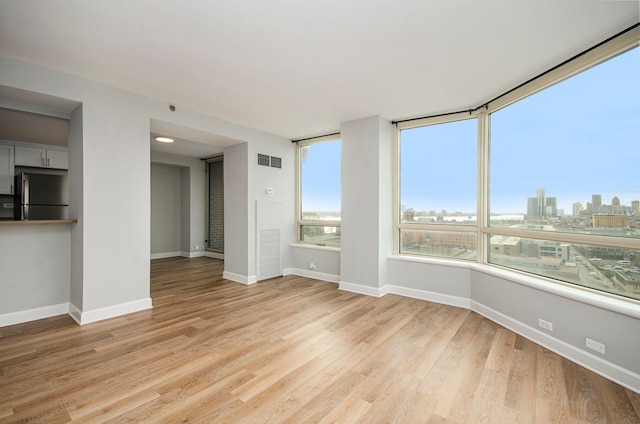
<point x="38" y="222"/>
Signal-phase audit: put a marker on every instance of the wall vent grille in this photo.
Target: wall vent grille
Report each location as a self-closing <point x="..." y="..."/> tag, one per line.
<point x="263" y="160"/>
<point x="272" y="161"/>
<point x="276" y="162"/>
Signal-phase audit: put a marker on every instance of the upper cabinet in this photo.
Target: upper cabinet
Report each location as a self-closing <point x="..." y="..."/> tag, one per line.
<point x="6" y="169"/>
<point x="41" y="157"/>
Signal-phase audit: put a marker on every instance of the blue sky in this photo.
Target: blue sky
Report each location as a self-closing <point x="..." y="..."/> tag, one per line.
<point x="577" y="138"/>
<point x="321" y="176"/>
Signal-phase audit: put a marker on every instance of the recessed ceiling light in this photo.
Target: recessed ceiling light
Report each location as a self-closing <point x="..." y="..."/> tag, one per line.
<point x="164" y="139"/>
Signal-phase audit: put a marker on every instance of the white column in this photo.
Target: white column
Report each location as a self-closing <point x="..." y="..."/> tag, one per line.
<point x="367" y="159"/>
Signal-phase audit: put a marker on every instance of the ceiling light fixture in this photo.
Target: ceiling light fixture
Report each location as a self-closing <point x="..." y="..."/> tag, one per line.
<point x="165" y="139"/>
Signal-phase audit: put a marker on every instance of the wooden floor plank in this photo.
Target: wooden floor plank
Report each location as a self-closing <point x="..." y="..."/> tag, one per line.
<point x="290" y="349"/>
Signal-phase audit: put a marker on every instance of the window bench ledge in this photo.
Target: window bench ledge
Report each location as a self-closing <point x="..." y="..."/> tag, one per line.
<point x="605" y="301"/>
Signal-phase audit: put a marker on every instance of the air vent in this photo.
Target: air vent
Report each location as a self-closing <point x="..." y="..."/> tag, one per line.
<point x="272" y="161"/>
<point x="263" y="160"/>
<point x="276" y="162"/>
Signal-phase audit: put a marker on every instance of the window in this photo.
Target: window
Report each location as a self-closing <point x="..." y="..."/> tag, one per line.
<point x="319" y="191"/>
<point x="438" y="186"/>
<point x="564" y="179"/>
<point x="557" y="176"/>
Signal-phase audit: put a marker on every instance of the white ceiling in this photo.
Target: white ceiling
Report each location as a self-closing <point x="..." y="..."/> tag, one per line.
<point x="298" y="68"/>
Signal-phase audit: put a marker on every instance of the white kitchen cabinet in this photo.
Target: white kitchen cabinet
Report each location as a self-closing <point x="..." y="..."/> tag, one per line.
<point x="41" y="157"/>
<point x="58" y="159"/>
<point x="6" y="169"/>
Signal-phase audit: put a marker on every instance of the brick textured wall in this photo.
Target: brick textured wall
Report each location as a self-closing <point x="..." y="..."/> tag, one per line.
<point x="216" y="206"/>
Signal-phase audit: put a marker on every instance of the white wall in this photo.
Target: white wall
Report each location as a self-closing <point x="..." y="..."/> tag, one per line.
<point x="166" y="210"/>
<point x="192" y="198"/>
<point x="37" y="274"/>
<point x="110" y="188"/>
<point x="326" y="261"/>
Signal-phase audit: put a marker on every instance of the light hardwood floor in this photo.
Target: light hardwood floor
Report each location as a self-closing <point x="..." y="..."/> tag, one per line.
<point x="291" y="350"/>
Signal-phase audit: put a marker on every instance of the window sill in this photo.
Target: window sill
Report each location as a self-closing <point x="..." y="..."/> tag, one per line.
<point x="316" y="247"/>
<point x="605" y="301"/>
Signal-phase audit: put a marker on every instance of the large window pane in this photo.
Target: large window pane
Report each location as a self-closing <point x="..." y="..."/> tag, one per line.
<point x="438" y="168"/>
<point x="567" y="158"/>
<point x="320" y="234"/>
<point x="613" y="270"/>
<point x="320" y="181"/>
<point x="319" y="200"/>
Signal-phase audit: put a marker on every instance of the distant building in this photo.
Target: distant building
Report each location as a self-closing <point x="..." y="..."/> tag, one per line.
<point x="536" y="206"/>
<point x="576" y="209"/>
<point x="615" y="206"/>
<point x="504" y="245"/>
<point x="450" y="239"/>
<point x="541" y="202"/>
<point x="551" y="208"/>
<point x="532" y="206"/>
<point x="596" y="201"/>
<point x="408" y="215"/>
<point x="610" y="221"/>
<point x="549" y="249"/>
<point x="635" y="206"/>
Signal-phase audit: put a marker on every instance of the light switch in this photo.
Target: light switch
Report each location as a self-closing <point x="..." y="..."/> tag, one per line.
<point x="269" y="191"/>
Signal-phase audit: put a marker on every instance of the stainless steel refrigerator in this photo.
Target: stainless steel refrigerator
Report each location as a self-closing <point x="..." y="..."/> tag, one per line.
<point x="41" y="197"/>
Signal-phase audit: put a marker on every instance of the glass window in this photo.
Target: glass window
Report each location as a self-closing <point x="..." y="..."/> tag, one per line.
<point x="319" y="191"/>
<point x="560" y="179"/>
<point x="610" y="269"/>
<point x="438" y="187"/>
<point x="438" y="168"/>
<point x="448" y="244"/>
<point x="567" y="158"/>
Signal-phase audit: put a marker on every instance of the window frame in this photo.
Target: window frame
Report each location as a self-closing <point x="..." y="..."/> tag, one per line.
<point x="619" y="44"/>
<point x="399" y="225"/>
<point x="300" y="223"/>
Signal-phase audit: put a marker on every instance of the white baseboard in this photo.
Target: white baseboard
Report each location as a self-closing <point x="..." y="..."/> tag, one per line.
<point x="312" y="274"/>
<point x="164" y="255"/>
<point x="445" y="299"/>
<point x="366" y="290"/>
<point x="192" y="254"/>
<point x="251" y="279"/>
<point x="583" y="358"/>
<point x="214" y="255"/>
<point x="87" y="317"/>
<point x="19" y="317"/>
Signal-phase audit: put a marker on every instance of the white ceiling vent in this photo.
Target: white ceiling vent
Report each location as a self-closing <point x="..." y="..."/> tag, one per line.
<point x="272" y="161"/>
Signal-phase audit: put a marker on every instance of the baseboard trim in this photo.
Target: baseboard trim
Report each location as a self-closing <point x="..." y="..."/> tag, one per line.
<point x="445" y="299"/>
<point x="360" y="289"/>
<point x="214" y="255"/>
<point x="20" y="317"/>
<point x="583" y="358"/>
<point x="331" y="278"/>
<point x="164" y="255"/>
<point x="87" y="317"/>
<point x="243" y="279"/>
<point x="191" y="254"/>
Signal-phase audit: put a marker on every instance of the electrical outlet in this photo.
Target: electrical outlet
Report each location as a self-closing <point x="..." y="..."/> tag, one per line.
<point x="312" y="266"/>
<point x="545" y="324"/>
<point x="594" y="345"/>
